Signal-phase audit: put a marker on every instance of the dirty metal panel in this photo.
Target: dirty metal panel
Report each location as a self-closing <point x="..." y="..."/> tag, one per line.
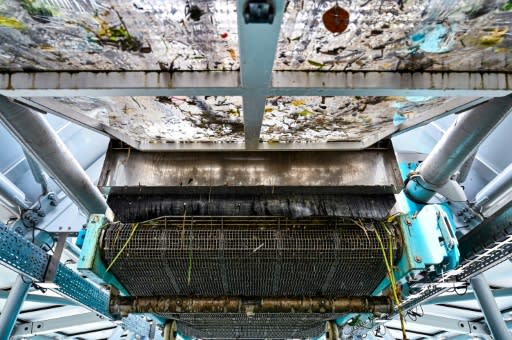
<point x="391" y="35"/>
<point x="180" y="122"/>
<point x="373" y="170"/>
<point x="339" y="119"/>
<point x="115" y="35"/>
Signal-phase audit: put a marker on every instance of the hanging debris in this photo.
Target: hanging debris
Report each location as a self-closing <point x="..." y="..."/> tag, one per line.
<point x="336" y="19"/>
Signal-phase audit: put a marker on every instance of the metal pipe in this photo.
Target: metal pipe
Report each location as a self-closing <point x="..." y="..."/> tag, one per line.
<point x="13" y="306"/>
<point x="456" y="146"/>
<point x="37" y="136"/>
<point x="492" y="314"/>
<point x="39" y="175"/>
<point x="54" y="300"/>
<point x="11" y="195"/>
<point x="124" y="305"/>
<point x="495" y="194"/>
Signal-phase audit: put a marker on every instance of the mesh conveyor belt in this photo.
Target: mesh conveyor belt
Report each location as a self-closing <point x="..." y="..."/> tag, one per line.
<point x="246" y="256"/>
<point x="269" y="326"/>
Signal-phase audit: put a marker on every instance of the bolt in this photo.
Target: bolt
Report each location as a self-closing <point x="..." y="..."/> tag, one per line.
<point x="417" y="259"/>
<point x="409" y="222"/>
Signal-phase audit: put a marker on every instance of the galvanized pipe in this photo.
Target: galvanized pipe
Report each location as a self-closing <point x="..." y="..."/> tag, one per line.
<point x="456" y="146"/>
<point x="494" y="195"/>
<point x="37" y="136"/>
<point x="37" y="172"/>
<point x="12" y="196"/>
<point x="38" y="298"/>
<point x="123" y="305"/>
<point x="13" y="306"/>
<point x="490" y="309"/>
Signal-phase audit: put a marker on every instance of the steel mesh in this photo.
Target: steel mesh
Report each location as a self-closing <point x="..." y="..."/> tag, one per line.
<point x="262" y="326"/>
<point x="247" y="256"/>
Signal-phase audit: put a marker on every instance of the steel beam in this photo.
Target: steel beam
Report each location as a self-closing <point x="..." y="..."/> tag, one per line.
<point x="37" y="298"/>
<point x="227" y="83"/>
<point x="469" y="296"/>
<point x="38" y="173"/>
<point x="455" y="147"/>
<point x="257" y="44"/>
<point x="492" y="314"/>
<point x="13" y="306"/>
<point x="452" y="325"/>
<point x="495" y="194"/>
<point x="35" y="134"/>
<point x="56" y="324"/>
<point x="11" y="195"/>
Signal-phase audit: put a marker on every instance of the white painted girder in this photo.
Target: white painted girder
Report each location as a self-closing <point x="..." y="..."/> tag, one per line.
<point x="227" y="83"/>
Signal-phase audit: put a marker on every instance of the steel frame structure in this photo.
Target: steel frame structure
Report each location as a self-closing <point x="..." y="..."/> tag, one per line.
<point x="254" y="86"/>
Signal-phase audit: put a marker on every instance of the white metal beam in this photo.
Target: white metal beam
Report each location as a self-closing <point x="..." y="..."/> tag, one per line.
<point x="451" y="325"/>
<point x="57" y="324"/>
<point x="227" y="83"/>
<point x="257" y="44"/>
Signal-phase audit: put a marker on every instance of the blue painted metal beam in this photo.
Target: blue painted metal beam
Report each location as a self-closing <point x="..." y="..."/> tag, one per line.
<point x="13" y="306"/>
<point x="257" y="45"/>
<point x="492" y="314"/>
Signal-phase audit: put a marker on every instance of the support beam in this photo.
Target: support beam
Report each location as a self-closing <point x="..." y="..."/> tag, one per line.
<point x="11" y="195"/>
<point x="452" y="325"/>
<point x="258" y="44"/>
<point x="492" y="314"/>
<point x="13" y="306"/>
<point x="56" y="324"/>
<point x="469" y="296"/>
<point x="35" y="134"/>
<point x="37" y="298"/>
<point x="455" y="147"/>
<point x="227" y="83"/>
<point x="38" y="173"/>
<point x="495" y="194"/>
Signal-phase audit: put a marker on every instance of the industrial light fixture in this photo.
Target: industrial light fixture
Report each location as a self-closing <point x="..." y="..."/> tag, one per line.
<point x="259" y="12"/>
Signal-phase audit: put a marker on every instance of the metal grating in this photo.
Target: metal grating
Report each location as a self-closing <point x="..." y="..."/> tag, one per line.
<point x="22" y="255"/>
<point x="246" y="256"/>
<point x="240" y="326"/>
<point x="71" y="284"/>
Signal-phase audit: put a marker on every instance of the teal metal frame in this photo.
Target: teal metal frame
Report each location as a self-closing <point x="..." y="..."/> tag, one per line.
<point x="93" y="267"/>
<point x="428" y="232"/>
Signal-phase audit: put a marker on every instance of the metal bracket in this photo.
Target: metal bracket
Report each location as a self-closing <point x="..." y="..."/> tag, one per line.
<point x="54" y="262"/>
<point x="55" y="325"/>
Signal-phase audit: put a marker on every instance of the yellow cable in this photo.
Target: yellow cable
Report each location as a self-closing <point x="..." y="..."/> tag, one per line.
<point x="124" y="247"/>
<point x="392" y="280"/>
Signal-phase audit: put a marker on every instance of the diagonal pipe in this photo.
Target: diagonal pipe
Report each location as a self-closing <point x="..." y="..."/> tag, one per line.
<point x="455" y="147"/>
<point x="34" y="133"/>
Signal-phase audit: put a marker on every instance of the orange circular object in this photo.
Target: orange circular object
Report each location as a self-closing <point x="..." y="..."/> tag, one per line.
<point x="336" y="19"/>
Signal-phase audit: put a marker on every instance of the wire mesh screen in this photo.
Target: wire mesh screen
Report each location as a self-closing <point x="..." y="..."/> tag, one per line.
<point x="240" y="326"/>
<point x="247" y="256"/>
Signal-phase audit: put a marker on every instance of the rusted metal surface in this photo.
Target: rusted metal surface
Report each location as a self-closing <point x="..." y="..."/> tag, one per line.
<point x="369" y="171"/>
<point x="124" y="305"/>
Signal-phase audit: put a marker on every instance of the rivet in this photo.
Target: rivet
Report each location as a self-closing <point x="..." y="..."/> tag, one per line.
<point x="417" y="259"/>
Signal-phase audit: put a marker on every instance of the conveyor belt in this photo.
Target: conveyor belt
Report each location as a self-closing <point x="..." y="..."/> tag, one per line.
<point x="237" y="256"/>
